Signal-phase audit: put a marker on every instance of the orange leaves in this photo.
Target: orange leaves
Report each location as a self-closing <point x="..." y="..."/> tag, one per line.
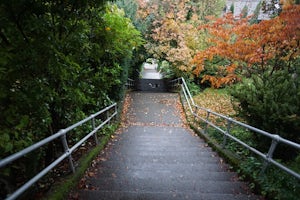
<point x="217" y="82"/>
<point x="231" y="68"/>
<point x="257" y="44"/>
<point x="279" y="36"/>
<point x="215" y="100"/>
<point x="198" y="69"/>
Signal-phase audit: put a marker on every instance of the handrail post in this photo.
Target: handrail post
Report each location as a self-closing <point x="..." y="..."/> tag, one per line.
<point x="67" y="150"/>
<point x="269" y="155"/>
<point x="95" y="134"/>
<point x="227" y="133"/>
<point x="196" y="112"/>
<point x="116" y="108"/>
<point x="207" y="117"/>
<point x="107" y="116"/>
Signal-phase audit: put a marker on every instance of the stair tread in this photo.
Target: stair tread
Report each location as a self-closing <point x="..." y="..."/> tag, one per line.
<point x="174" y="195"/>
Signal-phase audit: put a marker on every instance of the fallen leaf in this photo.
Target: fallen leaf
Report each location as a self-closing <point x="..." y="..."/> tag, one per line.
<point x="91" y="174"/>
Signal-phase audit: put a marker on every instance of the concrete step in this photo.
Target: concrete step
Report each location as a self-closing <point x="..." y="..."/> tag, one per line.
<point x="165" y="145"/>
<point x="169" y="165"/>
<point x="164" y="184"/>
<point x="168" y="158"/>
<point x="152" y="150"/>
<point x="170" y="195"/>
<point x="152" y="141"/>
<point x="174" y="174"/>
<point x="159" y="136"/>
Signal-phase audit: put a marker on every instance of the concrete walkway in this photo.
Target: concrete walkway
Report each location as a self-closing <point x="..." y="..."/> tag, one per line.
<point x="156" y="157"/>
<point x="149" y="71"/>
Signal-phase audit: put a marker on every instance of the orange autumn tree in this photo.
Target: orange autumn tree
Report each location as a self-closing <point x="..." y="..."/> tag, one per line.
<point x="169" y="37"/>
<point x="268" y="46"/>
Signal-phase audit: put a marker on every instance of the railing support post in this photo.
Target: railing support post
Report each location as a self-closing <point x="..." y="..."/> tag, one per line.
<point x="269" y="155"/>
<point x="66" y="149"/>
<point x="227" y="132"/>
<point x="195" y="113"/>
<point x="107" y="116"/>
<point x="95" y="134"/>
<point x="206" y="126"/>
<point x="116" y="108"/>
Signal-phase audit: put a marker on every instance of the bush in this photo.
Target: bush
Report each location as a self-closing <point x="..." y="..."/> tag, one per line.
<point x="58" y="63"/>
<point x="271" y="103"/>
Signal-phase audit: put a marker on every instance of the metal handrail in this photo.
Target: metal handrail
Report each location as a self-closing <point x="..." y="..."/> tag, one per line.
<point x="130" y="83"/>
<point x="276" y="139"/>
<point x="67" y="151"/>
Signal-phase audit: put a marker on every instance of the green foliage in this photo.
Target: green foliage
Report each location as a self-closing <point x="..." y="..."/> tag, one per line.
<point x="244" y="12"/>
<point x="59" y="61"/>
<point x="214" y="68"/>
<point x="130" y="8"/>
<point x="254" y="18"/>
<point x="121" y="34"/>
<point x="193" y="87"/>
<point x="205" y="8"/>
<point x="271" y="103"/>
<point x="232" y="8"/>
<point x="166" y="69"/>
<point x="273" y="183"/>
<point x="61" y="190"/>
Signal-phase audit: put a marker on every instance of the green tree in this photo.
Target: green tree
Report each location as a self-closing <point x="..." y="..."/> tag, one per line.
<point x="59" y="60"/>
<point x="232" y="8"/>
<point x="244" y="12"/>
<point x="254" y="18"/>
<point x="143" y="24"/>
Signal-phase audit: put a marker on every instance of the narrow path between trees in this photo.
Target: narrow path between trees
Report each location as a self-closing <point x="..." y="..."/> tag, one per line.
<point x="156" y="156"/>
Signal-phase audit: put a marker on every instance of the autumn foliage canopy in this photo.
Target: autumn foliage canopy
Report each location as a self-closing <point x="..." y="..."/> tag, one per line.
<point x="174" y="36"/>
<point x="254" y="48"/>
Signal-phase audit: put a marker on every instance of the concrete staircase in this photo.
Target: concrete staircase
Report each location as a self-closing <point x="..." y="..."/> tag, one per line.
<point x="157" y="157"/>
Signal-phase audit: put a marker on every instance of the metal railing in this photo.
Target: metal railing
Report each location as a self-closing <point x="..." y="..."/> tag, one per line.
<point x="110" y="111"/>
<point x="130" y="83"/>
<point x="276" y="139"/>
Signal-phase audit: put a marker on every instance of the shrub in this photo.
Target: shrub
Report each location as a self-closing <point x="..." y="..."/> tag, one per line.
<point x="271" y="103"/>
